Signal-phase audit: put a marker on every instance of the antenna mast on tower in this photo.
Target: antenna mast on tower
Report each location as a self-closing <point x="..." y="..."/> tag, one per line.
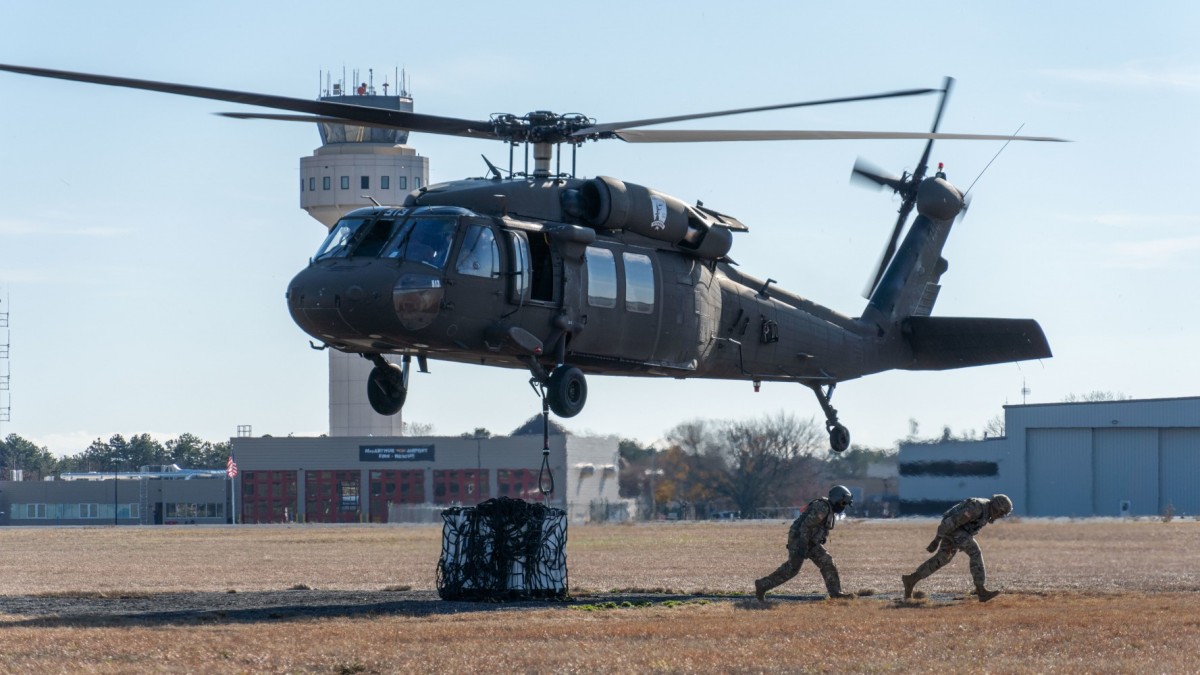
<point x="5" y="400"/>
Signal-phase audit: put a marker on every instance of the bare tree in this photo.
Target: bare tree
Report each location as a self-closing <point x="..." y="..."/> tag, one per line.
<point x="1096" y="395"/>
<point x="994" y="427"/>
<point x="775" y="459"/>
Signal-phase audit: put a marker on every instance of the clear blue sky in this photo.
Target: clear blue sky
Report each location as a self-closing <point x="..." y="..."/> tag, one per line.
<point x="145" y="244"/>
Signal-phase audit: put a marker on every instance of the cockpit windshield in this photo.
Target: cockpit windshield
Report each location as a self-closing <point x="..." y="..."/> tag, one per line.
<point x="337" y="244"/>
<point x="424" y="239"/>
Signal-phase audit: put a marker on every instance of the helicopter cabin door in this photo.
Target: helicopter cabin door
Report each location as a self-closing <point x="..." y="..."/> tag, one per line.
<point x="476" y="285"/>
<point x="621" y="304"/>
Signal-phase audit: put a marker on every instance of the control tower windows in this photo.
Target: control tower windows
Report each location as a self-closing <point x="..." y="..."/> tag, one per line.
<point x="325" y="183"/>
<point x="385" y="182"/>
<point x="345" y="182"/>
<point x="312" y="184"/>
<point x="403" y="182"/>
<point x="416" y="182"/>
<point x="364" y="182"/>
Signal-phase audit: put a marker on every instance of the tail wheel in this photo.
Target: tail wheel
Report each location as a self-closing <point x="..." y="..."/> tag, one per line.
<point x="566" y="391"/>
<point x="839" y="438"/>
<point x="386" y="390"/>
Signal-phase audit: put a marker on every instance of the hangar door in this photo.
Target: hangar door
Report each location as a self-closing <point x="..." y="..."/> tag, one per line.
<point x="1126" y="472"/>
<point x="1180" y="471"/>
<point x="1059" y="468"/>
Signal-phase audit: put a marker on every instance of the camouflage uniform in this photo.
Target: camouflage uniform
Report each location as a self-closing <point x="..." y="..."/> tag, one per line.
<point x="806" y="539"/>
<point x="957" y="533"/>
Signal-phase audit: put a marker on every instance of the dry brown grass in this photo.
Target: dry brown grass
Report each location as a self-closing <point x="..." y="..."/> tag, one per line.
<point x="1081" y="596"/>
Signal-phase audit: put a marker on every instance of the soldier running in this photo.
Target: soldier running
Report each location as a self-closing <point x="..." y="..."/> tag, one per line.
<point x="957" y="532"/>
<point x="806" y="539"/>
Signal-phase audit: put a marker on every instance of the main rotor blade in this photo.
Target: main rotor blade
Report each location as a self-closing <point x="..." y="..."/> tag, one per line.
<point x="716" y="136"/>
<point x="394" y="119"/>
<point x="310" y="119"/>
<point x="615" y="126"/>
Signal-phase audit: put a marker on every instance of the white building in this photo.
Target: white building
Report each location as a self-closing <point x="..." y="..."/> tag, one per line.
<point x="1109" y="458"/>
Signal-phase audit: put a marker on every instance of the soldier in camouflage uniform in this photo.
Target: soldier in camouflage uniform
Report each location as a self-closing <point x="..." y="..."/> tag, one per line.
<point x="806" y="539"/>
<point x="957" y="533"/>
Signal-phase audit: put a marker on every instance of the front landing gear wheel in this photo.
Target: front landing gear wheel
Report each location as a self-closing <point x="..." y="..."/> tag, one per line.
<point x="386" y="389"/>
<point x="839" y="438"/>
<point x="566" y="391"/>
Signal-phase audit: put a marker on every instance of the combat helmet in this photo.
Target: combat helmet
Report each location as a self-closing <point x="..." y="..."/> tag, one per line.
<point x="1002" y="504"/>
<point x="840" y="497"/>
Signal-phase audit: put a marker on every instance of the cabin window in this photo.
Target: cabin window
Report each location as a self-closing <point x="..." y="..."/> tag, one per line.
<point x="385" y="182"/>
<point x="345" y="182"/>
<point x="541" y="269"/>
<point x="602" y="277"/>
<point x="520" y="268"/>
<point x="479" y="256"/>
<point x="639" y="282"/>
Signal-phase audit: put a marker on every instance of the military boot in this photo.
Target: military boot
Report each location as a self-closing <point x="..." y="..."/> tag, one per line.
<point x="984" y="594"/>
<point x="910" y="582"/>
<point x="760" y="590"/>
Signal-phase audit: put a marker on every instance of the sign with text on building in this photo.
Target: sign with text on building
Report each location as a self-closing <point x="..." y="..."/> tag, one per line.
<point x="395" y="453"/>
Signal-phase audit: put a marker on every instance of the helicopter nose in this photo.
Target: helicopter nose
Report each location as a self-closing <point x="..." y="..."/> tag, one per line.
<point x="336" y="303"/>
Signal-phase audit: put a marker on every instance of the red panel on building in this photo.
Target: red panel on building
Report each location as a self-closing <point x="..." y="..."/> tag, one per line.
<point x="395" y="487"/>
<point x="268" y="496"/>
<point x="460" y="487"/>
<point x="518" y="484"/>
<point x="332" y="496"/>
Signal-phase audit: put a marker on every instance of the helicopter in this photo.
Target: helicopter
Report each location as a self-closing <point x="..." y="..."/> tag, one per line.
<point x="566" y="277"/>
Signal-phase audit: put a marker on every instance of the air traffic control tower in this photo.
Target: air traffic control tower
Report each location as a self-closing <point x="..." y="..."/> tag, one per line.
<point x="353" y="165"/>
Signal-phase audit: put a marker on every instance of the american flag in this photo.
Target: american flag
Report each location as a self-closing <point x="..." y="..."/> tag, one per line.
<point x="231" y="467"/>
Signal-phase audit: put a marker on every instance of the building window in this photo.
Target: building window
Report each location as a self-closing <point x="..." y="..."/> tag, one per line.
<point x="89" y="510"/>
<point x="416" y="182"/>
<point x="325" y="183"/>
<point x="349" y="495"/>
<point x="601" y="277"/>
<point x="385" y="182"/>
<point x="312" y="183"/>
<point x="345" y="182"/>
<point x="364" y="182"/>
<point x="402" y="182"/>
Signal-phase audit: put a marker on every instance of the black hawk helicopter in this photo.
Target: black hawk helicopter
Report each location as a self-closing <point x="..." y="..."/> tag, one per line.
<point x="565" y="276"/>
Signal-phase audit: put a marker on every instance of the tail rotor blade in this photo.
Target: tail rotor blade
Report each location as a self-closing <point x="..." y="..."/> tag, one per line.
<point x="869" y="175"/>
<point x="888" y="251"/>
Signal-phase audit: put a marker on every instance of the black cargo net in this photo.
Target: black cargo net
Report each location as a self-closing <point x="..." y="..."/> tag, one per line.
<point x="503" y="549"/>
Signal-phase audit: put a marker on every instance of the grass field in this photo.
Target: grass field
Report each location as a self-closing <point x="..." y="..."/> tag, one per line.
<point x="1080" y="596"/>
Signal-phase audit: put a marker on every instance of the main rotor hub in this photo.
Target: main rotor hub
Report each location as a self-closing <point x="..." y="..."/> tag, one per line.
<point x="541" y="126"/>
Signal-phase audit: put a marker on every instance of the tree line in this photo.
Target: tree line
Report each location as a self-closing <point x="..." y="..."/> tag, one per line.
<point x="116" y="454"/>
<point x="744" y="466"/>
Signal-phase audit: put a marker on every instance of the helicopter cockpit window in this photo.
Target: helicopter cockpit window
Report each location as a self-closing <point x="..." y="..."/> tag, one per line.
<point x="639" y="282"/>
<point x="602" y="277"/>
<point x="479" y="256"/>
<point x="424" y="240"/>
<point x="337" y="244"/>
<point x="372" y="240"/>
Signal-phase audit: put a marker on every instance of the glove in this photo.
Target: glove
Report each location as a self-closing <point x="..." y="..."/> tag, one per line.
<point x="933" y="545"/>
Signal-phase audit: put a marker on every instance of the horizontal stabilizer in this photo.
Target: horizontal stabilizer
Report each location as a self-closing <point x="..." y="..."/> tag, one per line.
<point x="942" y="343"/>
